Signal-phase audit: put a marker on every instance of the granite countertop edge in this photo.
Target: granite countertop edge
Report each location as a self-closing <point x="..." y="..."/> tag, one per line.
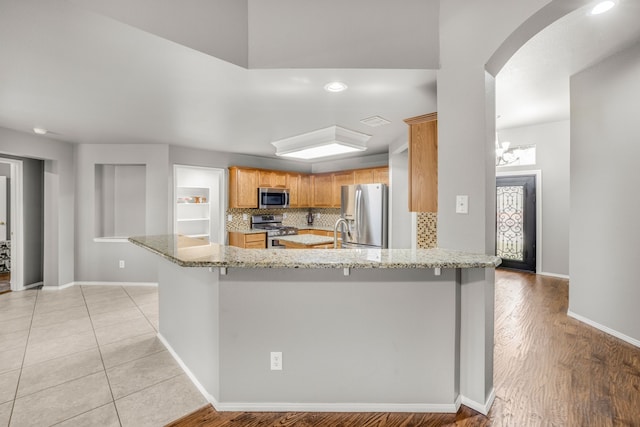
<point x="220" y="256"/>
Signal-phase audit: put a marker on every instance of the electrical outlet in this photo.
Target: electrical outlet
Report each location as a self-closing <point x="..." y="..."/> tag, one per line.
<point x="462" y="204"/>
<point x="229" y="218"/>
<point x="121" y="263"/>
<point x="276" y="361"/>
<point x="245" y="217"/>
<point x="317" y="215"/>
<point x="284" y="216"/>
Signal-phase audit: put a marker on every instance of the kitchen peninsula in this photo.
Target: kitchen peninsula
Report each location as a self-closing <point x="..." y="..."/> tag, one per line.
<point x="356" y="330"/>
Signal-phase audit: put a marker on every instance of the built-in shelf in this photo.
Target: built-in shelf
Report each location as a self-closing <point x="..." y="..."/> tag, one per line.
<point x="193" y="211"/>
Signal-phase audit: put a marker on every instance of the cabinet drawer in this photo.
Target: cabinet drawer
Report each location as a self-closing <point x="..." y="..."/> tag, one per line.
<point x="257" y="237"/>
<point x="255" y="245"/>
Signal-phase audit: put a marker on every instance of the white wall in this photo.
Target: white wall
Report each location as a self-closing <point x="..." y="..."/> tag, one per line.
<point x="605" y="200"/>
<point x="59" y="199"/>
<point x="401" y="220"/>
<point x="99" y="261"/>
<point x="552" y="158"/>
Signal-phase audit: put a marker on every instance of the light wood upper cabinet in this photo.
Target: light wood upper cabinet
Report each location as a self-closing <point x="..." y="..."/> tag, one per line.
<point x="340" y="179"/>
<point x="272" y="179"/>
<point x="381" y="175"/>
<point x="304" y="191"/>
<point x="363" y="176"/>
<point x="371" y="175"/>
<point x="423" y="163"/>
<point x="322" y="190"/>
<point x="243" y="185"/>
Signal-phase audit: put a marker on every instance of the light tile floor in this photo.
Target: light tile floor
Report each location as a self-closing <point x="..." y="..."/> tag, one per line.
<point x="88" y="356"/>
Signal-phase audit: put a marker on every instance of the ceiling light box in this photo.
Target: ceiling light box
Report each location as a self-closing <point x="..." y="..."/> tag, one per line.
<point x="330" y="141"/>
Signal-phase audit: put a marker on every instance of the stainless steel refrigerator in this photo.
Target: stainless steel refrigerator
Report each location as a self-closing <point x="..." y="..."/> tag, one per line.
<point x="364" y="208"/>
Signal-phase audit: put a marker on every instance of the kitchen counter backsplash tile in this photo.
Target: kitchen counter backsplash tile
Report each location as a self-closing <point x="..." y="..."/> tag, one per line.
<point x="295" y="217"/>
<point x="427" y="230"/>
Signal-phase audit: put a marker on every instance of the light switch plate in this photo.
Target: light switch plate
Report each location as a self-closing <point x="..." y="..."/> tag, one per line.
<point x="229" y="218"/>
<point x="462" y="204"/>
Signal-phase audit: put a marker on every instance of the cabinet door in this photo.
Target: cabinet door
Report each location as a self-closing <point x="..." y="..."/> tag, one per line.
<point x="381" y="175"/>
<point x="272" y="179"/>
<point x="323" y="191"/>
<point x="423" y="163"/>
<point x="293" y="184"/>
<point x="304" y="191"/>
<point x="243" y="188"/>
<point x="340" y="179"/>
<point x="363" y="176"/>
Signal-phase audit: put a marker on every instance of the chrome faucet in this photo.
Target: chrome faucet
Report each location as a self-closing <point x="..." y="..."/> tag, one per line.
<point x="335" y="231"/>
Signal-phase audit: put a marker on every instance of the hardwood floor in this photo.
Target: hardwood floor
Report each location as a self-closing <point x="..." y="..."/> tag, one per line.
<point x="5" y="282"/>
<point x="550" y="370"/>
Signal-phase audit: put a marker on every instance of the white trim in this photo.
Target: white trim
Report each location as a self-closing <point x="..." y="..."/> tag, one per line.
<point x="58" y="288"/>
<point x="186" y="370"/>
<point x="559" y="276"/>
<point x="111" y="240"/>
<point x="538" y="175"/>
<point x="70" y="284"/>
<point x="604" y="329"/>
<point x="16" y="192"/>
<point x="33" y="285"/>
<point x="483" y="408"/>
<point x="221" y="202"/>
<point x="309" y="407"/>
<point x="117" y="283"/>
<point x="336" y="407"/>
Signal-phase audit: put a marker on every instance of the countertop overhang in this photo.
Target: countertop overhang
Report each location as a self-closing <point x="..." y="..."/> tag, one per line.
<point x="190" y="252"/>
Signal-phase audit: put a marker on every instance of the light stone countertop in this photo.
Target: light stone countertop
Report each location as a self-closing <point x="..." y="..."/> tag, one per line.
<point x="303" y="227"/>
<point x="307" y="239"/>
<point x="189" y="252"/>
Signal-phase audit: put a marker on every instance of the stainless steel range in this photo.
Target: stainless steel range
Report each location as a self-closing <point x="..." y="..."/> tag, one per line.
<point x="272" y="224"/>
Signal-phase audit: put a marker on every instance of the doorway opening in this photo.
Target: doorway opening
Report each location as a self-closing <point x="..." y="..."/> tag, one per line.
<point x="516" y="221"/>
<point x="11" y="225"/>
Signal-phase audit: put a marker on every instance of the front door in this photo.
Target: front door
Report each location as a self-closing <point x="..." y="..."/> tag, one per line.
<point x="516" y="221"/>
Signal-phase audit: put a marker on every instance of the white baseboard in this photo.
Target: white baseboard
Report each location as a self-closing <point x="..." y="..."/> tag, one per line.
<point x="186" y="370"/>
<point x="58" y="288"/>
<point x="604" y="329"/>
<point x="309" y="407"/>
<point x="68" y="285"/>
<point x="335" y="407"/>
<point x="559" y="276"/>
<point x="483" y="408"/>
<point x="116" y="283"/>
<point x="33" y="285"/>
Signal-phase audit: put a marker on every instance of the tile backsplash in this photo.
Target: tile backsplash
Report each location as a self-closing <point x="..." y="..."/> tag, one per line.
<point x="427" y="230"/>
<point x="426" y="221"/>
<point x="294" y="217"/>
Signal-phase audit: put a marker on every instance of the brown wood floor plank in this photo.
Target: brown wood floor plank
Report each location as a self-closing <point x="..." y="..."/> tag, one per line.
<point x="549" y="370"/>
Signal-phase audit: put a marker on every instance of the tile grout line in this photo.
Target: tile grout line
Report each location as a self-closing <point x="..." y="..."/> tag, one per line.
<point x="101" y="358"/>
<point x="24" y="356"/>
<point x="141" y="311"/>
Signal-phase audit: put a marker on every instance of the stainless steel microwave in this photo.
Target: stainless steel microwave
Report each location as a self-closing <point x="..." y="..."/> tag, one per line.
<point x="273" y="198"/>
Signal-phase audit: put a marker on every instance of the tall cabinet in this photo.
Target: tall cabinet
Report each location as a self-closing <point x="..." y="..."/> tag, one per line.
<point x="423" y="163"/>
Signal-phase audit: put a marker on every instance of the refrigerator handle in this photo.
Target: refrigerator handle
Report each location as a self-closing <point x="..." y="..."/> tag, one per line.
<point x="358" y="212"/>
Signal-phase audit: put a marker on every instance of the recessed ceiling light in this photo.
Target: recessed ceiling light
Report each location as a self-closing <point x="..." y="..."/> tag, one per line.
<point x="335" y="87"/>
<point x="602" y="7"/>
<point x="40" y="131"/>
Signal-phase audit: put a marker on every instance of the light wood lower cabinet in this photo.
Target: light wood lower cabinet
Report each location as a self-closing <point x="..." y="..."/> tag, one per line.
<point x="248" y="241"/>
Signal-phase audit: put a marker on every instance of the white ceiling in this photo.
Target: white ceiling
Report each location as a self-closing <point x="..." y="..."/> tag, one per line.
<point x="90" y="78"/>
<point x="533" y="87"/>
